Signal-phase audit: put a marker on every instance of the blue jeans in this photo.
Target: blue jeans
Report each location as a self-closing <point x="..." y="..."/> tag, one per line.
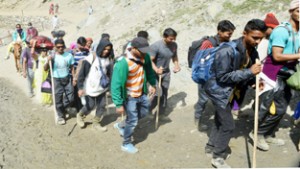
<point x="136" y="108"/>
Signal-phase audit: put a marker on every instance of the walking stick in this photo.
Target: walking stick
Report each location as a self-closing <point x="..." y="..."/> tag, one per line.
<point x="158" y="100"/>
<point x="255" y="118"/>
<point x="53" y="94"/>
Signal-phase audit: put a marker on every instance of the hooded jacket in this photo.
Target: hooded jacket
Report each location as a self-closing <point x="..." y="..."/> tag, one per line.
<point x="90" y="74"/>
<point x="229" y="73"/>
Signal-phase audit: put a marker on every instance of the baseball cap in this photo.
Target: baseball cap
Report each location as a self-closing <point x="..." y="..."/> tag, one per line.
<point x="141" y="44"/>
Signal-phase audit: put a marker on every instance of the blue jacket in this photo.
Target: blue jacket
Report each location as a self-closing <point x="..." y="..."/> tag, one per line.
<point x="16" y="34"/>
<point x="228" y="73"/>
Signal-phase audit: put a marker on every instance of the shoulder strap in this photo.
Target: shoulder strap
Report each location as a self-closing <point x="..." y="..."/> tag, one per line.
<point x="214" y="40"/>
<point x="284" y="25"/>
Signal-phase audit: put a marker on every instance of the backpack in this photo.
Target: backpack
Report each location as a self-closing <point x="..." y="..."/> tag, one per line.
<point x="202" y="63"/>
<point x="196" y="45"/>
<point x="43" y="42"/>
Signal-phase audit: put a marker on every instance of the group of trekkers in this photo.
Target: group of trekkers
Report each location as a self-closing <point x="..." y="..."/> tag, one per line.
<point x="86" y="72"/>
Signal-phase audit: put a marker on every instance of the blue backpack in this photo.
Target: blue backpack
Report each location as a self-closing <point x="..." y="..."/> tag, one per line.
<point x="202" y="63"/>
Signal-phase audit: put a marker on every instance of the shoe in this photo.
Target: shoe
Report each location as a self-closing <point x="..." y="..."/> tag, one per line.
<point x="121" y="130"/>
<point x="6" y="58"/>
<point x="129" y="148"/>
<point x="219" y="163"/>
<point x="79" y="119"/>
<point x="275" y="141"/>
<point x="261" y="142"/>
<point x="98" y="127"/>
<point x="60" y="121"/>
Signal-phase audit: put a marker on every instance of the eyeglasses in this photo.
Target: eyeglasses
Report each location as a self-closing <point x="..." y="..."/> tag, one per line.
<point x="59" y="47"/>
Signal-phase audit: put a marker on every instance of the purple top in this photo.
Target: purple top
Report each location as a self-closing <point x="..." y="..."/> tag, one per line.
<point x="26" y="54"/>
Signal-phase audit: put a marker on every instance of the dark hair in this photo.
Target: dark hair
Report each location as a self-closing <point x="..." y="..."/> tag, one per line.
<point x="255" y="24"/>
<point x="18" y="25"/>
<point x="61" y="33"/>
<point x="81" y="41"/>
<point x="29" y="24"/>
<point x="105" y="35"/>
<point x="143" y="34"/>
<point x="225" y="25"/>
<point x="169" y="32"/>
<point x="59" y="41"/>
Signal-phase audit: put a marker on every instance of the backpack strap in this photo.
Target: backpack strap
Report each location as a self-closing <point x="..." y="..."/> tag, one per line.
<point x="284" y="25"/>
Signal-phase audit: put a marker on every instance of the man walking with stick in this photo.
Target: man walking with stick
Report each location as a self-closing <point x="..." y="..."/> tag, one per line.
<point x="129" y="88"/>
<point x="233" y="68"/>
<point x="282" y="56"/>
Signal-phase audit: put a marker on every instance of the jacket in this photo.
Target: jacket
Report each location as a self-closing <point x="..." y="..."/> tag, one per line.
<point x="228" y="73"/>
<point x="89" y="74"/>
<point x="119" y="78"/>
<point x="15" y="35"/>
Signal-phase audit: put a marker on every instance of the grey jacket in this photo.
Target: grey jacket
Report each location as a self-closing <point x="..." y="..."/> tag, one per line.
<point x="228" y="73"/>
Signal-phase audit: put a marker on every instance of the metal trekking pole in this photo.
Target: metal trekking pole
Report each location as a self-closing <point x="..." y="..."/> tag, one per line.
<point x="158" y="100"/>
<point x="255" y="117"/>
<point x="53" y="92"/>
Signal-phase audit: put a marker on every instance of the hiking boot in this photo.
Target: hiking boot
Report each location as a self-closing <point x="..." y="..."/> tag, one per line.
<point x="79" y="119"/>
<point x="60" y="121"/>
<point x="121" y="130"/>
<point x="219" y="163"/>
<point x="274" y="141"/>
<point x="129" y="148"/>
<point x="98" y="127"/>
<point x="261" y="142"/>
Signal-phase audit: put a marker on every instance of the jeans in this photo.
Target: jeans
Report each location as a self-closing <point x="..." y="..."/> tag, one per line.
<point x="202" y="100"/>
<point x="281" y="96"/>
<point x="91" y="102"/>
<point x="222" y="131"/>
<point x="64" y="94"/>
<point x="30" y="77"/>
<point x="136" y="108"/>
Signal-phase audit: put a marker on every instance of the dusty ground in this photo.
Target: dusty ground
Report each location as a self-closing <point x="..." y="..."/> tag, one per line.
<point x="30" y="139"/>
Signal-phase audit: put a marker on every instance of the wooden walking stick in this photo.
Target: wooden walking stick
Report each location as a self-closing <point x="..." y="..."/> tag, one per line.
<point x="158" y="100"/>
<point x="53" y="90"/>
<point x="255" y="118"/>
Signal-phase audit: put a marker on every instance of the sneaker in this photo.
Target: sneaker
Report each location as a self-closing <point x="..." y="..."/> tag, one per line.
<point x="129" y="148"/>
<point x="79" y="120"/>
<point x="60" y="121"/>
<point x="121" y="130"/>
<point x="98" y="127"/>
<point x="219" y="163"/>
<point x="261" y="142"/>
<point x="275" y="141"/>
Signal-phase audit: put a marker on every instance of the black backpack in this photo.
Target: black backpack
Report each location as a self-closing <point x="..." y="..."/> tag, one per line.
<point x="197" y="44"/>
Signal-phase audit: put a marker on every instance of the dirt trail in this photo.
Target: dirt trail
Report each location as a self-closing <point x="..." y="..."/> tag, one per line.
<point x="29" y="138"/>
